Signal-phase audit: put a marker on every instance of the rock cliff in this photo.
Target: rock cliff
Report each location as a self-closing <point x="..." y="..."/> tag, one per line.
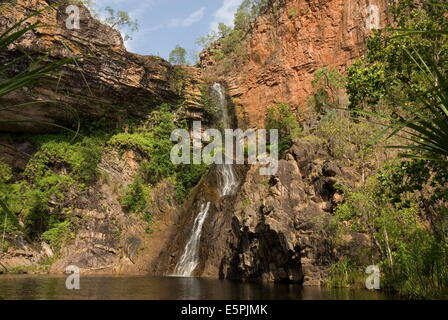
<point x="274" y="228"/>
<point x="106" y="83"/>
<point x="286" y="45"/>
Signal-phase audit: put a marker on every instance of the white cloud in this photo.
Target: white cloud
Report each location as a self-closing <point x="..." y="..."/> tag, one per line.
<point x="188" y="21"/>
<point x="225" y="13"/>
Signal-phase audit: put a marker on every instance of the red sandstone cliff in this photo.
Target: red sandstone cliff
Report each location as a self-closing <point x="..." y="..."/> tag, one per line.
<point x="287" y="45"/>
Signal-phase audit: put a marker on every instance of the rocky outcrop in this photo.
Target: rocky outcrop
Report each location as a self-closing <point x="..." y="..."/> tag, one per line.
<point x="281" y="226"/>
<point x="285" y="46"/>
<point x="107" y="239"/>
<point x="108" y="82"/>
<point x="275" y="229"/>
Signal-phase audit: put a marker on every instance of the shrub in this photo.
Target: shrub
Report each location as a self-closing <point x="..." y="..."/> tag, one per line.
<point x="187" y="177"/>
<point x="280" y="117"/>
<point x="58" y="235"/>
<point x="57" y="153"/>
<point x="344" y="274"/>
<point x="134" y="198"/>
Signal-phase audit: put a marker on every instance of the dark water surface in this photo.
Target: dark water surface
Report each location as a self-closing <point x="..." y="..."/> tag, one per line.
<point x="28" y="287"/>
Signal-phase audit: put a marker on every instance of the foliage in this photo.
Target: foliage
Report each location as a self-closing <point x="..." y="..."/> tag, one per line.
<point x="387" y="75"/>
<point x="59" y="166"/>
<point x="401" y="84"/>
<point x="412" y="255"/>
<point x="187" y="177"/>
<point x="178" y="56"/>
<point x="79" y="159"/>
<point x="345" y="138"/>
<point x="231" y="40"/>
<point x="117" y="19"/>
<point x="155" y="145"/>
<point x="134" y="198"/>
<point x="58" y="235"/>
<point x="148" y="218"/>
<point x="327" y="85"/>
<point x="210" y="107"/>
<point x="344" y="274"/>
<point x="281" y="118"/>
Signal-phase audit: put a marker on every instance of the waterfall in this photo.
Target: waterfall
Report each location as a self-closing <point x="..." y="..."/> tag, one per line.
<point x="227" y="175"/>
<point x="190" y="258"/>
<point x="228" y="182"/>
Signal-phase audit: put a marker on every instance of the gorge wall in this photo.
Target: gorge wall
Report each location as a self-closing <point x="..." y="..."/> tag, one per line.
<point x="107" y="84"/>
<point x="271" y="228"/>
<point x="286" y="45"/>
<point x="279" y="228"/>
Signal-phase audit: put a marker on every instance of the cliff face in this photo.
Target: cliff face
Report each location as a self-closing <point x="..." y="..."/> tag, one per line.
<point x="107" y="82"/>
<point x="279" y="228"/>
<point x="286" y="45"/>
<point x="276" y="228"/>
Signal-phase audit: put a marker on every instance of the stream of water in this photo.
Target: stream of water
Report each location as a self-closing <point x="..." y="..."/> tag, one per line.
<point x="228" y="182"/>
<point x="190" y="258"/>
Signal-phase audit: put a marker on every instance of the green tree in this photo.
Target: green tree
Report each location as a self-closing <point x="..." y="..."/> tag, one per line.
<point x="281" y="118"/>
<point x="119" y="19"/>
<point x="178" y="56"/>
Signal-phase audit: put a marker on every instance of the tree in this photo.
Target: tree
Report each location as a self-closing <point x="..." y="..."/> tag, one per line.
<point x="119" y="19"/>
<point x="178" y="56"/>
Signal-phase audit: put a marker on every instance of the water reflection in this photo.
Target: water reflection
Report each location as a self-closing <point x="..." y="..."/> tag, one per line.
<point x="148" y="288"/>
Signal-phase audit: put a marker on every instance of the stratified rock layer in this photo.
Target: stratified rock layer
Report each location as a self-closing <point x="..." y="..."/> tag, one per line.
<point x="107" y="83"/>
<point x="286" y="45"/>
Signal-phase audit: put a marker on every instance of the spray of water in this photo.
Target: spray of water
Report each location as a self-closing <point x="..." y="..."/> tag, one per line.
<point x="190" y="258"/>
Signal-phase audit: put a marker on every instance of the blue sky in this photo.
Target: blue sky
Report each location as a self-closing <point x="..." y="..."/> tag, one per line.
<point x="165" y="23"/>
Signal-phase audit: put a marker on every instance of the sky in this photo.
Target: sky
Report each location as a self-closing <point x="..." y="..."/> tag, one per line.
<point x="163" y="24"/>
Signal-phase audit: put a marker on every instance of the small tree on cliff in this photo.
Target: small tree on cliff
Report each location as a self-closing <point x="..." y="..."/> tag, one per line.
<point x="117" y="19"/>
<point x="178" y="56"/>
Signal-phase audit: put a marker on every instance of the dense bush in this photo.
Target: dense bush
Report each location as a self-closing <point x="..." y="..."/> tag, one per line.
<point x="58" y="234"/>
<point x="281" y="117"/>
<point x="135" y="197"/>
<point x="412" y="255"/>
<point x="58" y="166"/>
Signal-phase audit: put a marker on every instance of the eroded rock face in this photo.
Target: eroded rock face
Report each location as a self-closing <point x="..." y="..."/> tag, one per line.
<point x="281" y="225"/>
<point x="106" y="239"/>
<point x="286" y="46"/>
<point x="275" y="229"/>
<point x="109" y="82"/>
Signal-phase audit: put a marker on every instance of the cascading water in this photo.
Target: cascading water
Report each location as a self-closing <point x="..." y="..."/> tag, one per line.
<point x="190" y="258"/>
<point x="227" y="176"/>
<point x="228" y="182"/>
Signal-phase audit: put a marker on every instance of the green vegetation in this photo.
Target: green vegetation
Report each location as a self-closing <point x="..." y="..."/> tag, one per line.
<point x="328" y="85"/>
<point x="117" y="19"/>
<point x="231" y="46"/>
<point x="135" y="196"/>
<point x="148" y="218"/>
<point x="153" y="142"/>
<point x="58" y="235"/>
<point x="399" y="89"/>
<point x="178" y="56"/>
<point x="344" y="274"/>
<point x="24" y="203"/>
<point x="36" y="202"/>
<point x="281" y="117"/>
<point x="57" y="168"/>
<point x="412" y="256"/>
